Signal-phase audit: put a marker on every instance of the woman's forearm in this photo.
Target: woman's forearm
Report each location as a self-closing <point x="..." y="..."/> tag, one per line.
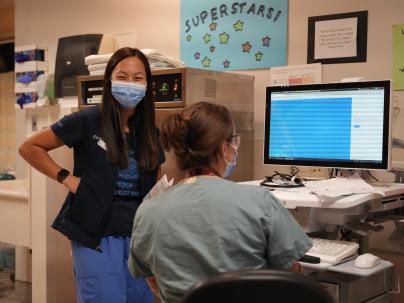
<point x="39" y="158"/>
<point x="35" y="151"/>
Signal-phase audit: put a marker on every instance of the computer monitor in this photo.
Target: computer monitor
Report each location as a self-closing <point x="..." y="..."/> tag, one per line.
<point x="336" y="125"/>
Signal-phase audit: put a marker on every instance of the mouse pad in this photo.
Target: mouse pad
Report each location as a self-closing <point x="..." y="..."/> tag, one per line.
<point x="350" y="268"/>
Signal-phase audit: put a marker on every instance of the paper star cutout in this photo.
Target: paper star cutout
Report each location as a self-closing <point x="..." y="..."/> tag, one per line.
<point x="226" y="63"/>
<point x="212" y="49"/>
<point x="238" y="26"/>
<point x="224" y="38"/>
<point x="189" y="37"/>
<point x="212" y="26"/>
<point x="206" y="62"/>
<point x="266" y="40"/>
<point x="246" y="47"/>
<point x="258" y="56"/>
<point x="207" y="38"/>
<point x="197" y="55"/>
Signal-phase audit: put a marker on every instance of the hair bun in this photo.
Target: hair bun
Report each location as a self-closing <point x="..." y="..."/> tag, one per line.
<point x="175" y="132"/>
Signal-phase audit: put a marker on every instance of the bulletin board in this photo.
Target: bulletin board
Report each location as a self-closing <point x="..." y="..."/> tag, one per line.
<point x="229" y="35"/>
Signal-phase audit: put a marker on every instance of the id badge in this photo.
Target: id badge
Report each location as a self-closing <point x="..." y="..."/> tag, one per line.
<point x="102" y="144"/>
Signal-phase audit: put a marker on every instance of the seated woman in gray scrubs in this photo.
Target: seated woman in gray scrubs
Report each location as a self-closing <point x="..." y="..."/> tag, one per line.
<point x="206" y="225"/>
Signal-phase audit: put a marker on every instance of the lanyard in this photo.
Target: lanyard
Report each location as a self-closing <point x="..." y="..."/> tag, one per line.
<point x="204" y="171"/>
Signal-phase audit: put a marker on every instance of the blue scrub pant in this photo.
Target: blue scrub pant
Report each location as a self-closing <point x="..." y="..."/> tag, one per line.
<point x="103" y="277"/>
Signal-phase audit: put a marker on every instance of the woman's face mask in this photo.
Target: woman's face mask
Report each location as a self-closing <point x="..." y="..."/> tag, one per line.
<point x="230" y="165"/>
<point x="128" y="94"/>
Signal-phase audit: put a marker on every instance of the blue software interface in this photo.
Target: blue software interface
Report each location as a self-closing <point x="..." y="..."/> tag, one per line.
<point x="327" y="124"/>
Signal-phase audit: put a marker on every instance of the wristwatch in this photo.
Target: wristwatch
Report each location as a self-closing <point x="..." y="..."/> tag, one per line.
<point x="62" y="174"/>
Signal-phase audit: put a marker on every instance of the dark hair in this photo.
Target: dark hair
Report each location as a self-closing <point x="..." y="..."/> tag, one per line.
<point x="196" y="134"/>
<point x="112" y="128"/>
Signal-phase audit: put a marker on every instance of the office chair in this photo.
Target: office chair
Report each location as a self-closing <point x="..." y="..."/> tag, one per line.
<point x="258" y="286"/>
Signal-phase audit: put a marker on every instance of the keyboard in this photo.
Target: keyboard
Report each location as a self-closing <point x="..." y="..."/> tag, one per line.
<point x="332" y="251"/>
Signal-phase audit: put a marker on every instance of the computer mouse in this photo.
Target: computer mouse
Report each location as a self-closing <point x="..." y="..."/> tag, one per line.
<point x="367" y="261"/>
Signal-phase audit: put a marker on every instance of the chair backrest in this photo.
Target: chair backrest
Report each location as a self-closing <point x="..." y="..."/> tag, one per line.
<point x="258" y="286"/>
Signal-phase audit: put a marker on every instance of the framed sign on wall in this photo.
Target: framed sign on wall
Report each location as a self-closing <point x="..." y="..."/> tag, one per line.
<point x="339" y="38"/>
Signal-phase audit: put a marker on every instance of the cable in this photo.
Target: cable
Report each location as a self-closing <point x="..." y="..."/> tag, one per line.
<point x="373" y="177"/>
<point x="346" y="235"/>
<point x="294" y="170"/>
<point x="331" y="173"/>
<point x="282" y="175"/>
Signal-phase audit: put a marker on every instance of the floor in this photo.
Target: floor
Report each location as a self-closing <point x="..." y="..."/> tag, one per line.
<point x="13" y="291"/>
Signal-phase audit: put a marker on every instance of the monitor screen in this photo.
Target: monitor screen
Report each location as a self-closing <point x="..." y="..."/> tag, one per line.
<point x="341" y="125"/>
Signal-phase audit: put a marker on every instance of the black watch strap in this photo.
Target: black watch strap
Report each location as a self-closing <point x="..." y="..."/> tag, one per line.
<point x="62" y="174"/>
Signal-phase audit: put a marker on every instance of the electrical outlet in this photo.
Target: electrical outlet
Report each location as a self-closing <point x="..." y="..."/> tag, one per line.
<point x="316" y="172"/>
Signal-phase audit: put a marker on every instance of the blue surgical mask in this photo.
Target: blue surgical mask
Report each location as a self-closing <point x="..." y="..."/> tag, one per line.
<point x="230" y="165"/>
<point x="128" y="94"/>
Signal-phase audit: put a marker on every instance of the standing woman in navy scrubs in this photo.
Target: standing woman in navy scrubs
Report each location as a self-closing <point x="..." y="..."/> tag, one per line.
<point x="117" y="158"/>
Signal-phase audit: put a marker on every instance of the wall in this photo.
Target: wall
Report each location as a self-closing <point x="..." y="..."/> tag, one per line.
<point x="379" y="50"/>
<point x="379" y="55"/>
<point x="157" y="26"/>
<point x="6" y="20"/>
<point x="7" y="115"/>
<point x="44" y="21"/>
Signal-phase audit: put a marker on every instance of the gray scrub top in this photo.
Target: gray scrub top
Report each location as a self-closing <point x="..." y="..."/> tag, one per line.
<point x="207" y="225"/>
